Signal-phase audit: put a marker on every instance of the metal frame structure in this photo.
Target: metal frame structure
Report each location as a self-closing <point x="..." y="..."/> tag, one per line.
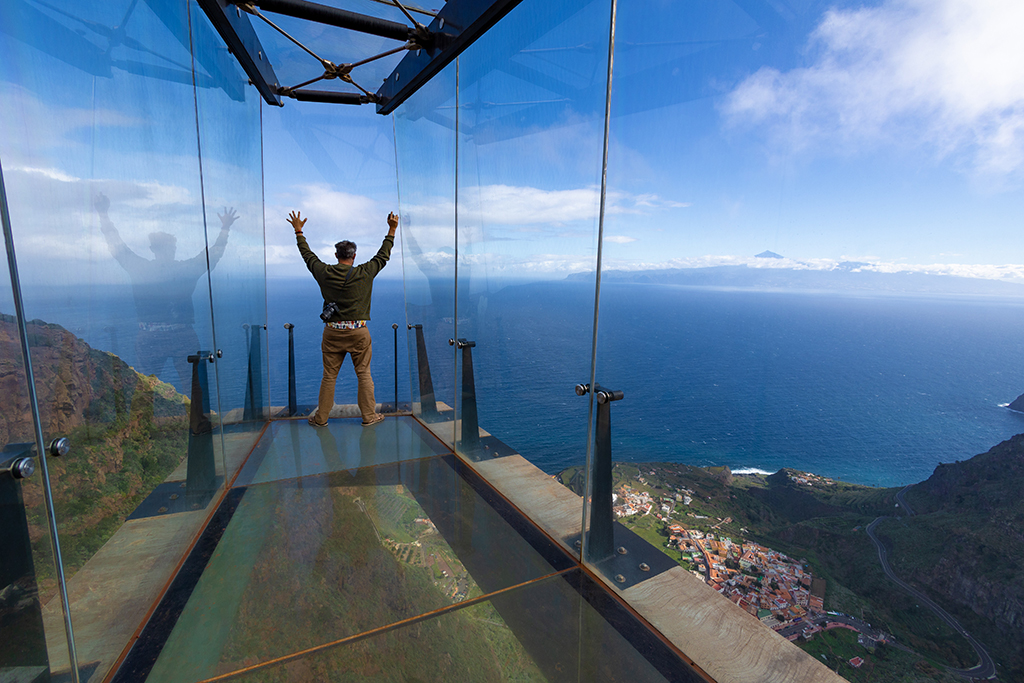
<point x="429" y="48"/>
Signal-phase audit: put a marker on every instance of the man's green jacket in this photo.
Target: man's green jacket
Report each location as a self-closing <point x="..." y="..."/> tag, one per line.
<point x="353" y="297"/>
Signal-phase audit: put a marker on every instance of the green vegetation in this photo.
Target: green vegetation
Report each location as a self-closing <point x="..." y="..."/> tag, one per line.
<point x="112" y="468"/>
<point x="329" y="578"/>
<point x="821" y="522"/>
<point x="882" y="664"/>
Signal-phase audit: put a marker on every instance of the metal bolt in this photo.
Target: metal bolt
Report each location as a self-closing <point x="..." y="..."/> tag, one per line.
<point x="644" y="567"/>
<point x="621" y="550"/>
<point x="620" y="578"/>
<point x="578" y="545"/>
<point x="22" y="468"/>
<point x="59" y="447"/>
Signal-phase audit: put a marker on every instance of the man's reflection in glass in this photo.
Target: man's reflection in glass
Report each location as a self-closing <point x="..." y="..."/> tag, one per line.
<point x="163" y="288"/>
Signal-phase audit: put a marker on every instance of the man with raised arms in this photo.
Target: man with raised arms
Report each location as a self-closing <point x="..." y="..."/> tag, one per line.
<point x="346" y="289"/>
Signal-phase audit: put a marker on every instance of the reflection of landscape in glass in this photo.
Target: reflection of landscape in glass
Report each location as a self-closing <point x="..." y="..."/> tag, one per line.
<point x="309" y="562"/>
<point x="470" y="645"/>
<point x="128" y="433"/>
<point x="810" y="266"/>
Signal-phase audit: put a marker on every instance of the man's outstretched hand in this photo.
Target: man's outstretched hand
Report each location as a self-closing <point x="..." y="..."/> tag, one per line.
<point x="227" y="218"/>
<point x="297" y="221"/>
<point x="392" y="223"/>
<point x="102" y="203"/>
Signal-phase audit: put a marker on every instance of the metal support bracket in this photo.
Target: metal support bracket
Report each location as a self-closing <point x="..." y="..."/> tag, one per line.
<point x="428" y="403"/>
<point x="470" y="434"/>
<point x="600" y="537"/>
<point x="633" y="559"/>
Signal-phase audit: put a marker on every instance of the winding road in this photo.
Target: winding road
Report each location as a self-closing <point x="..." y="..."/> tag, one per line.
<point x="986" y="668"/>
<point x="903" y="503"/>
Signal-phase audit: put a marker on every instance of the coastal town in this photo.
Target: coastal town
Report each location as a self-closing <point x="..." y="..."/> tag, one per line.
<point x="777" y="590"/>
<point x="767" y="584"/>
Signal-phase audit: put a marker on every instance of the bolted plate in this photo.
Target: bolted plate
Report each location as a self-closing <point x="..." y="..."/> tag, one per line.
<point x="627" y="567"/>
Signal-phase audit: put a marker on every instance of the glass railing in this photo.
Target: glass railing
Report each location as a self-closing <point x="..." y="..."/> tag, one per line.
<point x="784" y="305"/>
<point x="133" y="171"/>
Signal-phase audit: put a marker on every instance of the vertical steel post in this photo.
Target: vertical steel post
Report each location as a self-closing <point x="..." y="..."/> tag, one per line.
<point x="428" y="406"/>
<point x="470" y="422"/>
<point x="601" y="543"/>
<point x="394" y="326"/>
<point x="601" y="537"/>
<point x="33" y="400"/>
<point x="201" y="471"/>
<point x="254" y="380"/>
<point x="292" y="395"/>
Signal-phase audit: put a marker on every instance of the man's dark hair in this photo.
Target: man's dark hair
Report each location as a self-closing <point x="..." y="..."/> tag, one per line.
<point x="345" y="250"/>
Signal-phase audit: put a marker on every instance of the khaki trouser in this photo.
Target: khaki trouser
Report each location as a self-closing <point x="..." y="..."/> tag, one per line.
<point x="336" y="343"/>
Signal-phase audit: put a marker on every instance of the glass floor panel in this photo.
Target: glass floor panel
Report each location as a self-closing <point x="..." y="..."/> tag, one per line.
<point x="561" y="628"/>
<point x="291" y="564"/>
<point x="292" y="448"/>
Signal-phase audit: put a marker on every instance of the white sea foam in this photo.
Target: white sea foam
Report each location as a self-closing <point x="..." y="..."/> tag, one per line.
<point x="750" y="470"/>
<point x="1004" y="405"/>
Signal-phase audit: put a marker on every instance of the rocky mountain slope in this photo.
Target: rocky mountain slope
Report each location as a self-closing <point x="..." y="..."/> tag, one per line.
<point x="127" y="431"/>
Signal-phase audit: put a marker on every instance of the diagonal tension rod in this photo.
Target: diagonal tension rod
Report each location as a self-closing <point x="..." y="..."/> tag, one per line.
<point x="331" y="70"/>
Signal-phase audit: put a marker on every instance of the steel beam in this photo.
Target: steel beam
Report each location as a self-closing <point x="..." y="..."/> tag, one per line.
<point x="332" y="16"/>
<point x="455" y="28"/>
<point x="331" y="96"/>
<point x="233" y="26"/>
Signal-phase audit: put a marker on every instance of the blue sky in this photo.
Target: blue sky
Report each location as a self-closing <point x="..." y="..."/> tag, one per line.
<point x="890" y="132"/>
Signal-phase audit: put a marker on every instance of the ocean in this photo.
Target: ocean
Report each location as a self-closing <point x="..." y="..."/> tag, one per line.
<point x="872" y="389"/>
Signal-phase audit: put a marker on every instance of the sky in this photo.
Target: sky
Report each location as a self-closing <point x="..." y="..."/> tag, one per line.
<point x="889" y="132"/>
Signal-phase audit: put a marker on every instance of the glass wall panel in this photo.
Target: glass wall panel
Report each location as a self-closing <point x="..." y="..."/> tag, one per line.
<point x="531" y="122"/>
<point x="425" y="137"/>
<point x="811" y="298"/>
<point x="335" y="165"/>
<point x="31" y="641"/>
<point x="101" y="156"/>
<point x="232" y="177"/>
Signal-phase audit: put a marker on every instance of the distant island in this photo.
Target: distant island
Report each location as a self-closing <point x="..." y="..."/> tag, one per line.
<point x="778" y="273"/>
<point x="794" y="550"/>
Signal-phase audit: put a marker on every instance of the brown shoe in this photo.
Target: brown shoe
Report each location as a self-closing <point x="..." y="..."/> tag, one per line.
<point x="377" y="417"/>
<point x="312" y="421"/>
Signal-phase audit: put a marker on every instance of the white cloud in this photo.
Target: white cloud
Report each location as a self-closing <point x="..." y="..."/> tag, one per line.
<point x="54" y="221"/>
<point x="530" y="207"/>
<point x="619" y="239"/>
<point x="1007" y="272"/>
<point x="332" y="215"/>
<point x="945" y="74"/>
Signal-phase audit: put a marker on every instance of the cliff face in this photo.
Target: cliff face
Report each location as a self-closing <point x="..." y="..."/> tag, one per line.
<point x="976" y="508"/>
<point x="76" y="385"/>
<point x="127" y="431"/>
